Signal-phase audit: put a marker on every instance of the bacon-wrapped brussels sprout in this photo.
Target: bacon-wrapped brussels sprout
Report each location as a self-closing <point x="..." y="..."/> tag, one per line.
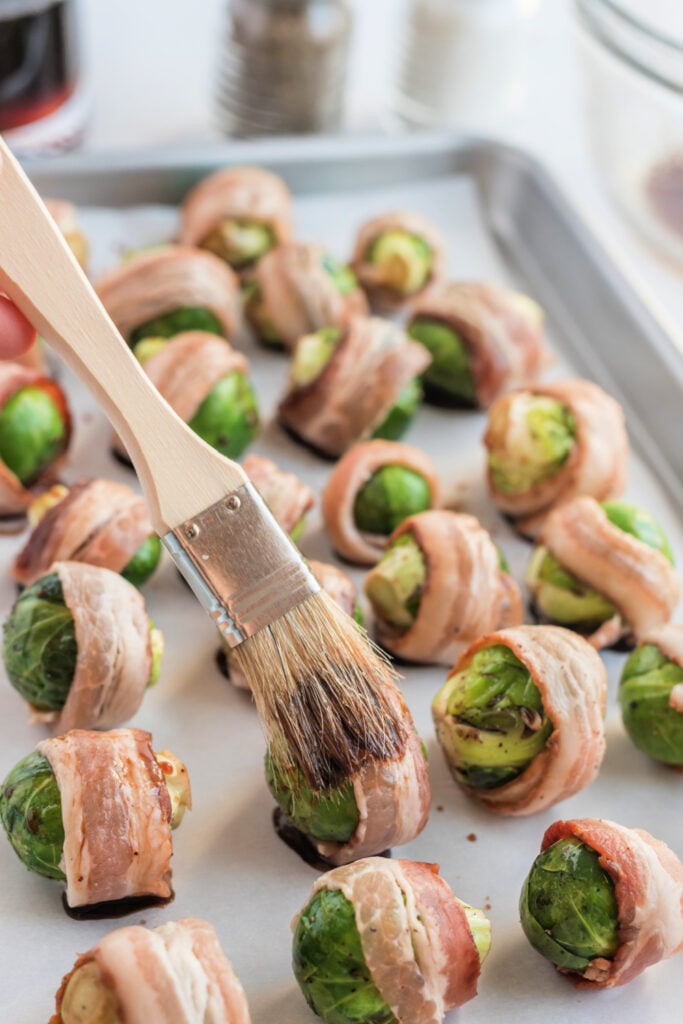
<point x="287" y="497"/>
<point x="165" y="291"/>
<point x="239" y="214"/>
<point x="651" y="694"/>
<point x="96" y="809"/>
<point x="483" y="340"/>
<point x="439" y="586"/>
<point x="95" y="521"/>
<point x="35" y="430"/>
<point x="349" y="384"/>
<point x="385" y="803"/>
<point x="396" y="256"/>
<point x="552" y="442"/>
<point x="603" y="902"/>
<point x="298" y="289"/>
<point x="603" y="569"/>
<point x="206" y="382"/>
<point x="79" y="647"/>
<point x="117" y="981"/>
<point x="520" y="718"/>
<point x="382" y="941"/>
<point x="371" y="490"/>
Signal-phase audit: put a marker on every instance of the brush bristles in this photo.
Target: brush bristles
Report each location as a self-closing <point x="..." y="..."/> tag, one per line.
<point x="323" y="692"/>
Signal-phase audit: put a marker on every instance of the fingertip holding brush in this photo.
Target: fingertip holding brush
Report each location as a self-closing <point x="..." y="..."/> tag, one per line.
<point x="321" y="689"/>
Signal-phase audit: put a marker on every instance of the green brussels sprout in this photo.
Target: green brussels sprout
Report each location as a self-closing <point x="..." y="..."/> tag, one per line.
<point x="187" y="318"/>
<point x="402" y="413"/>
<point x="149" y="347"/>
<point x="88" y="999"/>
<point x="32" y="433"/>
<point x="143" y="563"/>
<point x="394" y="585"/>
<point x="529" y="438"/>
<point x="31" y="813"/>
<point x="490" y="719"/>
<point x="329" y="965"/>
<point x="313" y="353"/>
<point x="343" y="277"/>
<point x="239" y="241"/>
<point x="31" y="809"/>
<point x="503" y="563"/>
<point x="562" y="598"/>
<point x="297" y="531"/>
<point x="390" y="495"/>
<point x="568" y="906"/>
<point x="449" y="376"/>
<point x="39" y="648"/>
<point x="654" y="726"/>
<point x="227" y="419"/>
<point x="405" y="258"/>
<point x="329" y="815"/>
<point x="156" y="640"/>
<point x="358" y="617"/>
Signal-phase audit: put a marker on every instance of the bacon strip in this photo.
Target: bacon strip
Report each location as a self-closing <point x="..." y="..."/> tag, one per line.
<point x="371" y="277"/>
<point x="637" y="579"/>
<point x="465" y="594"/>
<point x="239" y="193"/>
<point x="573" y="684"/>
<point x="648" y="882"/>
<point x="114" y="658"/>
<point x="596" y="466"/>
<point x="287" y="497"/>
<point x="116" y="812"/>
<point x="393" y="799"/>
<point x="355" y="391"/>
<point x="162" y="280"/>
<point x="502" y="331"/>
<point x="349" y="477"/>
<point x="174" y="974"/>
<point x="298" y="296"/>
<point x="99" y="522"/>
<point x="14" y="497"/>
<point x="415" y="937"/>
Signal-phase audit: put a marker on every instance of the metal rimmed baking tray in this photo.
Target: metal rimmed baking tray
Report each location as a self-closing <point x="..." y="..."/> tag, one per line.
<point x="504" y="220"/>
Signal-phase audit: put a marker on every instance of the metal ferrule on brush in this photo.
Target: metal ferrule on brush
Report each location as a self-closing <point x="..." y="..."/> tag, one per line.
<point x="240" y="565"/>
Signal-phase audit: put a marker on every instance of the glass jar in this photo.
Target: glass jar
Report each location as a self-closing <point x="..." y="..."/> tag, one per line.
<point x="632" y="57"/>
<point x="41" y="106"/>
<point x="463" y="62"/>
<point x="283" y="69"/>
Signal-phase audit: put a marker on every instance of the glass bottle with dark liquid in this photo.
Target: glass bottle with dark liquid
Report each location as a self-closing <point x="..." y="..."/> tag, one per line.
<point x="39" y="106"/>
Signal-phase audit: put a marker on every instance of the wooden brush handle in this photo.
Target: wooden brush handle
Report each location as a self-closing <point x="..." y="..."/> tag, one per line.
<point x="179" y="473"/>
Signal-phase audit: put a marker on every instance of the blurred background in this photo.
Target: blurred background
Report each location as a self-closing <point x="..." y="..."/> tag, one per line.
<point x="594" y="88"/>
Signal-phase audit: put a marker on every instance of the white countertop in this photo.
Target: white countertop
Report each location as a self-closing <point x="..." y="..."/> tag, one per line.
<point x="153" y="66"/>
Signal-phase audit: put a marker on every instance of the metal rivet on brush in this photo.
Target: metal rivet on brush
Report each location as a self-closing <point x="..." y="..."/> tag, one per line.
<point x="232" y="503"/>
<point x="192" y="531"/>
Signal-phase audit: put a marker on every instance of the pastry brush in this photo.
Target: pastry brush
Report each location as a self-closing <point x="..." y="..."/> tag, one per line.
<point x="318" y="683"/>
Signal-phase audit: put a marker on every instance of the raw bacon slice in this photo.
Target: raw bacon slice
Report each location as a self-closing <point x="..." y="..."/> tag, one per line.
<point x="99" y="522"/>
<point x="174" y="974"/>
<point x="116" y="812"/>
<point x="240" y="193"/>
<point x="502" y="331"/>
<point x="172" y="277"/>
<point x="637" y="579"/>
<point x="349" y="477"/>
<point x="287" y="497"/>
<point x="414" y="933"/>
<point x="648" y="882"/>
<point x="465" y="594"/>
<point x="353" y="394"/>
<point x="573" y="684"/>
<point x="596" y="466"/>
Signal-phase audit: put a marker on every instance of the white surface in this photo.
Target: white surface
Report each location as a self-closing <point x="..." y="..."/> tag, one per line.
<point x="229" y="866"/>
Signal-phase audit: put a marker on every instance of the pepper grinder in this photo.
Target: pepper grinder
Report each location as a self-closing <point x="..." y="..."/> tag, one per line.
<point x="283" y="67"/>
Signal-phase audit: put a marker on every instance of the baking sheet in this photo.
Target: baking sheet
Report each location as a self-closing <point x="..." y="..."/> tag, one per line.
<point x="229" y="866"/>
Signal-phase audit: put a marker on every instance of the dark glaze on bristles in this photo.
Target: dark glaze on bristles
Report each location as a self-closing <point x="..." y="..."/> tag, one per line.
<point x="115" y="908"/>
<point x="298" y="841"/>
